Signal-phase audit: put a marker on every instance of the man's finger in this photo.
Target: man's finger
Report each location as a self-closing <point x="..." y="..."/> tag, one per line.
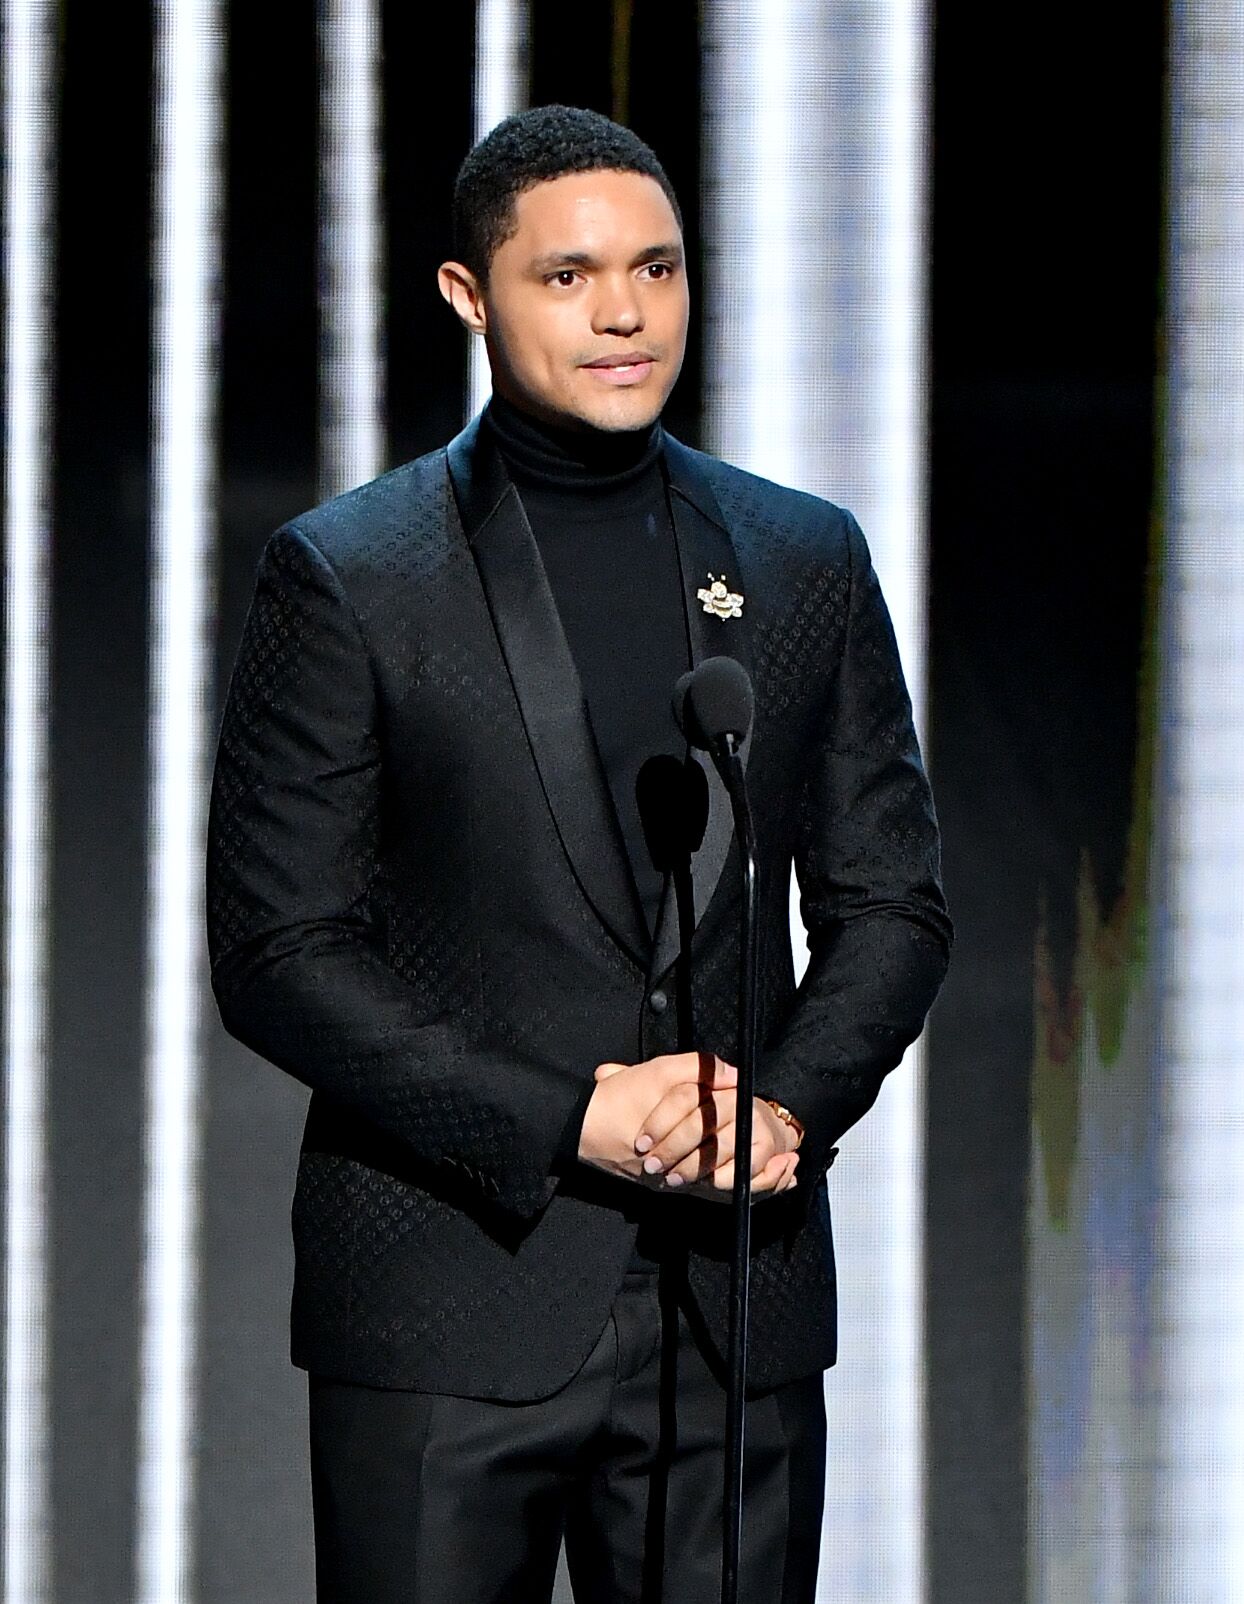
<point x="711" y="1155"/>
<point x="701" y="1066"/>
<point x="764" y="1167"/>
<point x="687" y="1116"/>
<point x="788" y="1162"/>
<point x="776" y="1177"/>
<point x="686" y="1094"/>
<point x="693" y="1147"/>
<point x="770" y="1178"/>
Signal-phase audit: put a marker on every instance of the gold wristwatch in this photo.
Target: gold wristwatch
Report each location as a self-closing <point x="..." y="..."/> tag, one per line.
<point x="787" y="1118"/>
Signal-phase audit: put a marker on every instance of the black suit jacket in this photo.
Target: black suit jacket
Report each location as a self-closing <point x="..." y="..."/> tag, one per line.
<point x="419" y="904"/>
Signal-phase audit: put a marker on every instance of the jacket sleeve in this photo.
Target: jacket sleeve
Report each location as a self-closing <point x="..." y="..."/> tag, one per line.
<point x="867" y="857"/>
<point x="298" y="967"/>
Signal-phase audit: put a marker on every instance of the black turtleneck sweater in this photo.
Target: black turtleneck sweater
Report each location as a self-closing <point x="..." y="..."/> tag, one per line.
<point x="598" y="508"/>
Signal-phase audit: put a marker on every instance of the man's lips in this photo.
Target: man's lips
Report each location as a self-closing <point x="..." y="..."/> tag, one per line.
<point x="623" y="368"/>
<point x="620" y="359"/>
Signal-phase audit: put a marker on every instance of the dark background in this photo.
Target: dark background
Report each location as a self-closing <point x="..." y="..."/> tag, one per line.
<point x="1047" y="249"/>
<point x="1045" y="283"/>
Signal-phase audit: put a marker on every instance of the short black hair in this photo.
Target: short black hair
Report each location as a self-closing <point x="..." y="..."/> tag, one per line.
<point x="524" y="150"/>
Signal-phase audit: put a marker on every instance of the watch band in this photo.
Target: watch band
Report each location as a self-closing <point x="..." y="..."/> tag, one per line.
<point x="787" y="1118"/>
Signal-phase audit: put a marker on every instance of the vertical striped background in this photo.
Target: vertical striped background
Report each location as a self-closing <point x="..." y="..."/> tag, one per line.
<point x="221" y="224"/>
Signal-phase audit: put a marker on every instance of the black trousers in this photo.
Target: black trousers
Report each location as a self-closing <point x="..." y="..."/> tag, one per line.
<point x="426" y="1499"/>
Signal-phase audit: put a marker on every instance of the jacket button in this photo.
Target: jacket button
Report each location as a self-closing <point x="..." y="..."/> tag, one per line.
<point x="658" y="1002"/>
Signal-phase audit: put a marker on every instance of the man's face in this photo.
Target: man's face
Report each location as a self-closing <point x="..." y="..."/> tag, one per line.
<point x="585" y="310"/>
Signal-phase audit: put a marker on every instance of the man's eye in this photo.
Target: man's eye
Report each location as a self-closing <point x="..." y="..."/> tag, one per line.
<point x="660" y="269"/>
<point x="565" y="277"/>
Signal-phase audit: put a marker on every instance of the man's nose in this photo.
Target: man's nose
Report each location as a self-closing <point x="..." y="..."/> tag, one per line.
<point x="617" y="309"/>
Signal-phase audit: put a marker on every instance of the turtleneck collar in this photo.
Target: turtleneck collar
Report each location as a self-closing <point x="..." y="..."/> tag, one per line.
<point x="564" y="459"/>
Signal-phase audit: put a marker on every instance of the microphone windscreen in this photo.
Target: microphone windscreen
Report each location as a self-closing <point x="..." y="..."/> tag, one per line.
<point x="679" y="704"/>
<point x="718" y="701"/>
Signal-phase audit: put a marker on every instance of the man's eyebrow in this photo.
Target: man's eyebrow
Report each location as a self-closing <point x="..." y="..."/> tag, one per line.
<point x="671" y="251"/>
<point x="555" y="259"/>
<point x="551" y="261"/>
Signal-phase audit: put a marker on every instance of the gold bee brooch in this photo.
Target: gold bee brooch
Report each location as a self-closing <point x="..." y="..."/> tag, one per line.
<point x="719" y="600"/>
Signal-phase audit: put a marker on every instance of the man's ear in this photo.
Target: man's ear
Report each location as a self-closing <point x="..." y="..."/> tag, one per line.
<point x="462" y="290"/>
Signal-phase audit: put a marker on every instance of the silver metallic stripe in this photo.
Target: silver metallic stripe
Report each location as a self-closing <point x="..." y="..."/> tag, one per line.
<point x="1198" y="1526"/>
<point x="351" y="244"/>
<point x="29" y="134"/>
<point x="816" y="119"/>
<point x="500" y="90"/>
<point x="186" y="268"/>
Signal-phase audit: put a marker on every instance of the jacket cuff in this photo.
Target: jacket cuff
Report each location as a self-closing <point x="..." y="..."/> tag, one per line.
<point x="566" y="1154"/>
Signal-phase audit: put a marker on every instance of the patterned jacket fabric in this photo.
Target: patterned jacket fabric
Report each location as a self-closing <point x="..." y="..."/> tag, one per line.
<point x="419" y="905"/>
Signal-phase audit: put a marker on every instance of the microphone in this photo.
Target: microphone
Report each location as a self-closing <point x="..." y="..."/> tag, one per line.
<point x="713" y="707"/>
<point x="713" y="703"/>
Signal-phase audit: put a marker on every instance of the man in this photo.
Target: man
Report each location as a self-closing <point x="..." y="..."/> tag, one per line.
<point x="431" y="899"/>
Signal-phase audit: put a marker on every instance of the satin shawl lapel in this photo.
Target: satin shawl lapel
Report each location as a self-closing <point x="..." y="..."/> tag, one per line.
<point x="704" y="548"/>
<point x="546" y="684"/>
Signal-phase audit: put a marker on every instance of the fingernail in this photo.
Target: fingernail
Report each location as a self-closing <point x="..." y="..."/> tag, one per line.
<point x="643" y="1143"/>
<point x="673" y="1180"/>
<point x="653" y="1165"/>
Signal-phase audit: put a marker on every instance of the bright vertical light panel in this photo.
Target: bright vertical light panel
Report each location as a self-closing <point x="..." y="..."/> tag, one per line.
<point x="29" y="123"/>
<point x="500" y="91"/>
<point x="816" y="118"/>
<point x="1200" y="1532"/>
<point x="186" y="268"/>
<point x="351" y="247"/>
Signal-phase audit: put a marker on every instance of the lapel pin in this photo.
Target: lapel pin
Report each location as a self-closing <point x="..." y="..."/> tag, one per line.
<point x="719" y="600"/>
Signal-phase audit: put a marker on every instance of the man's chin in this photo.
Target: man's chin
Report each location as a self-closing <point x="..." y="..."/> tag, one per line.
<point x="620" y="414"/>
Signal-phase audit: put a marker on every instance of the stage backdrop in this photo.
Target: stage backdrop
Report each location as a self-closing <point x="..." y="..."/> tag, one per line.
<point x="970" y="270"/>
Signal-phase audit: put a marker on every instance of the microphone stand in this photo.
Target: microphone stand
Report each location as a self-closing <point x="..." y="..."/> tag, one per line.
<point x="711" y="703"/>
<point x="726" y="756"/>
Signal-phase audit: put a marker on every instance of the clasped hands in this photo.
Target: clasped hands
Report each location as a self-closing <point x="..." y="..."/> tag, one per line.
<point x="669" y="1122"/>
